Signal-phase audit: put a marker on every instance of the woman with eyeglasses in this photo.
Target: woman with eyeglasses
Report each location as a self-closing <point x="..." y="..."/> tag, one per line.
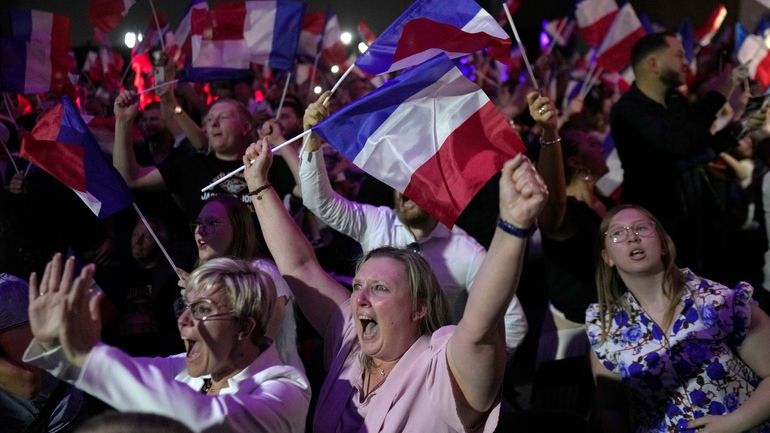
<point x="393" y="364"/>
<point x="226" y="228"/>
<point x="672" y="352"/>
<point x="230" y="378"/>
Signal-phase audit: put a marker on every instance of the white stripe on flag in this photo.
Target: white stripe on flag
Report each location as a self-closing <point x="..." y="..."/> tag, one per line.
<point x="219" y="54"/>
<point x="484" y="23"/>
<point x="42" y="26"/>
<point x="398" y="148"/>
<point x="37" y="78"/>
<point x="258" y="28"/>
<point x="588" y="12"/>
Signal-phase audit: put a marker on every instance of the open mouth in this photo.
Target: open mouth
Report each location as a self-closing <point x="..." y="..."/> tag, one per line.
<point x="193" y="350"/>
<point x="368" y="325"/>
<point x="201" y="243"/>
<point x="636" y="253"/>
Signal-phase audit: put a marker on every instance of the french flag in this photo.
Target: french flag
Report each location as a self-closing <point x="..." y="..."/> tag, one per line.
<point x="219" y="50"/>
<point x="705" y="33"/>
<point x="560" y="29"/>
<point x="183" y="33"/>
<point x="430" y="27"/>
<point x="105" y="15"/>
<point x="755" y="55"/>
<point x="271" y="30"/>
<point x="310" y="36"/>
<point x="594" y="19"/>
<point x="430" y="133"/>
<point x="37" y="56"/>
<point x="62" y="145"/>
<point x="333" y="51"/>
<point x="614" y="54"/>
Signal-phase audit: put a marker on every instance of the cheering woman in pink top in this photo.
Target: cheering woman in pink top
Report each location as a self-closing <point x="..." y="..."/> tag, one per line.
<point x="393" y="364"/>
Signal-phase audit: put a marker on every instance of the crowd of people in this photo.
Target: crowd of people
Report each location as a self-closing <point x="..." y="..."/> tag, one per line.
<point x="308" y="296"/>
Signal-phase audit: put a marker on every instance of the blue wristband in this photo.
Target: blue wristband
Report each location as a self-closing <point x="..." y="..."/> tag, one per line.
<point x="515" y="231"/>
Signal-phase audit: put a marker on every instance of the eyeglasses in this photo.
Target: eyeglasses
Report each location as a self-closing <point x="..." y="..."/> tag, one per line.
<point x="643" y="229"/>
<point x="209" y="120"/>
<point x="209" y="226"/>
<point x="202" y="309"/>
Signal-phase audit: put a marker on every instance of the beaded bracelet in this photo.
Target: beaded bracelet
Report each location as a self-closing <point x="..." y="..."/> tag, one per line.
<point x="546" y="143"/>
<point x="259" y="190"/>
<point x="515" y="231"/>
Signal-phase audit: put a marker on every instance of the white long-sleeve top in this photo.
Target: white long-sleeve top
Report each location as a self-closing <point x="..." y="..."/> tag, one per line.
<point x="454" y="255"/>
<point x="266" y="396"/>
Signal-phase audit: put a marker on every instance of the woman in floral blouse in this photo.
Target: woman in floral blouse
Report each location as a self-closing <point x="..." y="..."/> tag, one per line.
<point x="672" y="352"/>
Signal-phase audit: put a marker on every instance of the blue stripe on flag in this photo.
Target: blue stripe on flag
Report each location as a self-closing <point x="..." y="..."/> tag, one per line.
<point x="21" y="24"/>
<point x="13" y="65"/>
<point x="349" y="129"/>
<point x="288" y="25"/>
<point x="212" y="74"/>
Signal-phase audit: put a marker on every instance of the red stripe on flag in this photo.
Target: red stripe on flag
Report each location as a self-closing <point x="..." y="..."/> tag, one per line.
<point x="228" y="21"/>
<point x="422" y="34"/>
<point x="594" y="34"/>
<point x="469" y="157"/>
<point x="618" y="56"/>
<point x="763" y="71"/>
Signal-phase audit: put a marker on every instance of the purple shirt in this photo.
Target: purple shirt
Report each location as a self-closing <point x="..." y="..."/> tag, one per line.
<point x="416" y="396"/>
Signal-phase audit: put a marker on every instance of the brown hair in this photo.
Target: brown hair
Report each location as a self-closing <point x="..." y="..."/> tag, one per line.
<point x="248" y="243"/>
<point x="610" y="286"/>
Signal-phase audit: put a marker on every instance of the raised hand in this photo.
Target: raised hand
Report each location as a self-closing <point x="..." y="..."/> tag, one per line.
<point x="542" y="109"/>
<point x="46" y="300"/>
<point x="257" y="159"/>
<point x="126" y="106"/>
<point x="314" y="114"/>
<point x="81" y="320"/>
<point x="273" y="132"/>
<point x="522" y="192"/>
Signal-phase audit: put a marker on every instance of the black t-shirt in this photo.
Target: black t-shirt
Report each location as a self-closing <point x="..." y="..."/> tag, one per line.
<point x="187" y="175"/>
<point x="570" y="263"/>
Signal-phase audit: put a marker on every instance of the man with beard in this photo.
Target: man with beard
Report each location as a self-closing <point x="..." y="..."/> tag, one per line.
<point x="664" y="142"/>
<point x="159" y="142"/>
<point x="453" y="255"/>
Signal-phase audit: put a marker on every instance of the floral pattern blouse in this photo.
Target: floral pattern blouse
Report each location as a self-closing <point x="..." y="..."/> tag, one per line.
<point x="691" y="372"/>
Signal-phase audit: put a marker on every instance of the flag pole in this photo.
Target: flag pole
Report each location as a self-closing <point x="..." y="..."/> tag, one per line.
<point x="157" y="25"/>
<point x="163" y="84"/>
<point x="283" y="95"/>
<point x="7" y="102"/>
<point x="337" y="84"/>
<point x="243" y="167"/>
<point x="155" y="237"/>
<point x="521" y="46"/>
<point x="26" y="170"/>
<point x="10" y="156"/>
<point x="312" y="75"/>
<point x="559" y="28"/>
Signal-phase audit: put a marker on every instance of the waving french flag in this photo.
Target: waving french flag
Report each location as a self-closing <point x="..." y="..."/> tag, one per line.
<point x="755" y="55"/>
<point x="183" y="33"/>
<point x="430" y="133"/>
<point x="37" y="56"/>
<point x="430" y="27"/>
<point x="231" y="35"/>
<point x="614" y="54"/>
<point x="594" y="18"/>
<point x="62" y="145"/>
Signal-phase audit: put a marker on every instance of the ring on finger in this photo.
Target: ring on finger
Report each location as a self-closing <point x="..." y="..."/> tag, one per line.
<point x="542" y="110"/>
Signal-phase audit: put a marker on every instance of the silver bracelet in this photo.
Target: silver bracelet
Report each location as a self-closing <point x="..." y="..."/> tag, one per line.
<point x="546" y="143"/>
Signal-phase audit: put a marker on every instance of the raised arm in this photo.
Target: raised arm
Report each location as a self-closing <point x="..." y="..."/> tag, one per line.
<point x="342" y="215"/>
<point x="126" y="108"/>
<point x="550" y="165"/>
<point x="476" y="351"/>
<point x="316" y="292"/>
<point x="174" y="114"/>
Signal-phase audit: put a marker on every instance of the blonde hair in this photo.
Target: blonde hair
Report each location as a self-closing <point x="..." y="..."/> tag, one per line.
<point x="424" y="288"/>
<point x="250" y="292"/>
<point x="610" y="286"/>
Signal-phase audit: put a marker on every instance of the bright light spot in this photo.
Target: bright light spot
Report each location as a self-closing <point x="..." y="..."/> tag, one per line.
<point x="362" y="47"/>
<point x="139" y="37"/>
<point x="346" y="37"/>
<point x="130" y="39"/>
<point x="317" y="90"/>
<point x="545" y="40"/>
<point x="335" y="69"/>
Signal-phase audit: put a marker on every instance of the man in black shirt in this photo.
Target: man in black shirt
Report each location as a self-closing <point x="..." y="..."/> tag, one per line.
<point x="663" y="142"/>
<point x="228" y="131"/>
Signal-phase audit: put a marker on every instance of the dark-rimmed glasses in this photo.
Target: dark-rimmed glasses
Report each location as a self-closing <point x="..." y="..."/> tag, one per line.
<point x="201" y="309"/>
<point x="643" y="229"/>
